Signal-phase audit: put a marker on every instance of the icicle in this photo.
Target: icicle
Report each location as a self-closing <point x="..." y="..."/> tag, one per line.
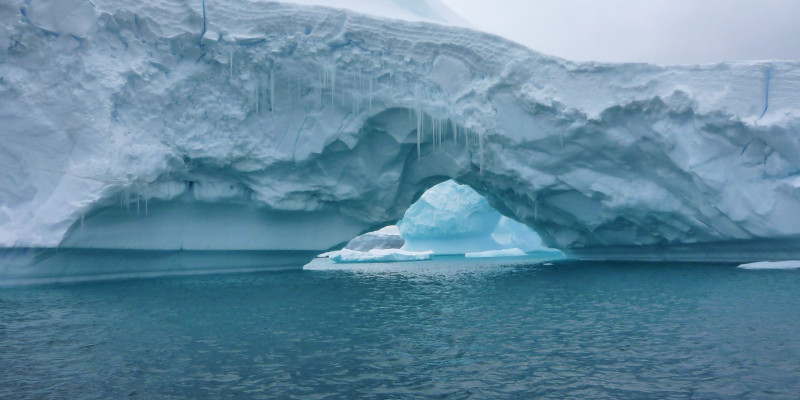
<point x="455" y="133"/>
<point x="354" y="101"/>
<point x="231" y="63"/>
<point x="441" y="133"/>
<point x="256" y="96"/>
<point x="435" y="132"/>
<point x="137" y="205"/>
<point x="440" y="130"/>
<point x="535" y="210"/>
<point x="419" y="132"/>
<point x="272" y="90"/>
<point x="145" y="207"/>
<point x="127" y="201"/>
<point x="370" y="95"/>
<point x="81" y="223"/>
<point x="291" y="98"/>
<point x="435" y="129"/>
<point x="480" y="149"/>
<point x="333" y="84"/>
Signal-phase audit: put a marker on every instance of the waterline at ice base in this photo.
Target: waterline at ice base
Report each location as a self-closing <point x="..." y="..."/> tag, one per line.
<point x="276" y="132"/>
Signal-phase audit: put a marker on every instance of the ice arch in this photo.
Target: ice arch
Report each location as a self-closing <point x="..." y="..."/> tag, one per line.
<point x="453" y="219"/>
<point x="265" y="126"/>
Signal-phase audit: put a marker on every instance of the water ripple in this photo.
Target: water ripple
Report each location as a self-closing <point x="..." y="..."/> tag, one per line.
<point x="424" y="330"/>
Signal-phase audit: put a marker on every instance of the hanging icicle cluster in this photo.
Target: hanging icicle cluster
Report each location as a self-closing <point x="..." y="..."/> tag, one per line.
<point x="439" y="129"/>
<point x="126" y="199"/>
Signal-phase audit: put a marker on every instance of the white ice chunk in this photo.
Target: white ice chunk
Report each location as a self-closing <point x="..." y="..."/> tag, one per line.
<point x="385" y="238"/>
<point x="793" y="264"/>
<point x="515" y="252"/>
<point x="379" y="255"/>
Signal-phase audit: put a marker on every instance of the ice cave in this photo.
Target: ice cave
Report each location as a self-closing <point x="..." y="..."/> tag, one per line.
<point x="280" y="131"/>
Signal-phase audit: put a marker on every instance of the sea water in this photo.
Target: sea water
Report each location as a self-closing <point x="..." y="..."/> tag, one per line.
<point x="446" y="328"/>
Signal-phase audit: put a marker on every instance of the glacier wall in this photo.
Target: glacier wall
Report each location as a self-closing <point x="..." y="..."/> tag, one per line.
<point x="220" y="125"/>
<point x="453" y="219"/>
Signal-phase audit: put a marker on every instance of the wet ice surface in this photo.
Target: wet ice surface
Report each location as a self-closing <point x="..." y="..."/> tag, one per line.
<point x="443" y="328"/>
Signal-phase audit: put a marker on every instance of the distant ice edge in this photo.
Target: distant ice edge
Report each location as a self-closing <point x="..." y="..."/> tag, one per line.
<point x="730" y="251"/>
<point x="782" y="265"/>
<point x="305" y="126"/>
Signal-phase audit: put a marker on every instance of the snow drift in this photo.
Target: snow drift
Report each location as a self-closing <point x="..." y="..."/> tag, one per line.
<point x="171" y="125"/>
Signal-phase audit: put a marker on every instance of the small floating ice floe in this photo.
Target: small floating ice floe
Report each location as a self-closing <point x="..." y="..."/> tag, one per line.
<point x="793" y="264"/>
<point x="378" y="255"/>
<point x="515" y="252"/>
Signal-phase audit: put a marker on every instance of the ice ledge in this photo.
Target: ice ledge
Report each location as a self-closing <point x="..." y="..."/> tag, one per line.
<point x="731" y="251"/>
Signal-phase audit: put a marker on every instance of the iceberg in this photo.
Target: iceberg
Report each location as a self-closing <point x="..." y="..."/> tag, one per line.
<point x="378" y="255"/>
<point x="238" y="125"/>
<point x="793" y="264"/>
<point x="515" y="252"/>
<point x="451" y="218"/>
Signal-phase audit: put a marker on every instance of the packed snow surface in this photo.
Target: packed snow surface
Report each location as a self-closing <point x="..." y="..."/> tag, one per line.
<point x="515" y="252"/>
<point x="144" y="125"/>
<point x="378" y="255"/>
<point x="794" y="264"/>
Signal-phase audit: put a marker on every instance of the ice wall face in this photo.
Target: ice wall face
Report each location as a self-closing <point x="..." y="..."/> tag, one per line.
<point x="257" y="113"/>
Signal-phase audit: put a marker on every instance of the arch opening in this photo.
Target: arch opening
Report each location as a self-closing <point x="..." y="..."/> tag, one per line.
<point x="449" y="219"/>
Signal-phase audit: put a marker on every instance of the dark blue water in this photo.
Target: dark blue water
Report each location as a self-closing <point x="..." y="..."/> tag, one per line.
<point x="431" y="330"/>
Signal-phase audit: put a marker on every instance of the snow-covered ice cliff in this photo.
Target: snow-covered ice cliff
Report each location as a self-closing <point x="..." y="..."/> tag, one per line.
<point x="453" y="219"/>
<point x="233" y="124"/>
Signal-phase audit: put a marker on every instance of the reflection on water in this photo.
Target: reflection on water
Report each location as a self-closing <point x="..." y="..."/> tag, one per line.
<point x="446" y="328"/>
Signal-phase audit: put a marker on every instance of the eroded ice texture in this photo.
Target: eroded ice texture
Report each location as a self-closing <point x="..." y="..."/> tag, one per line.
<point x="121" y="120"/>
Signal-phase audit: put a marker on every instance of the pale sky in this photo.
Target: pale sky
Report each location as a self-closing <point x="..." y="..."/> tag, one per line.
<point x="657" y="31"/>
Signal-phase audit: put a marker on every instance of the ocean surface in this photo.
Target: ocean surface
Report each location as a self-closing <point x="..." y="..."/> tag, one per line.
<point x="446" y="328"/>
